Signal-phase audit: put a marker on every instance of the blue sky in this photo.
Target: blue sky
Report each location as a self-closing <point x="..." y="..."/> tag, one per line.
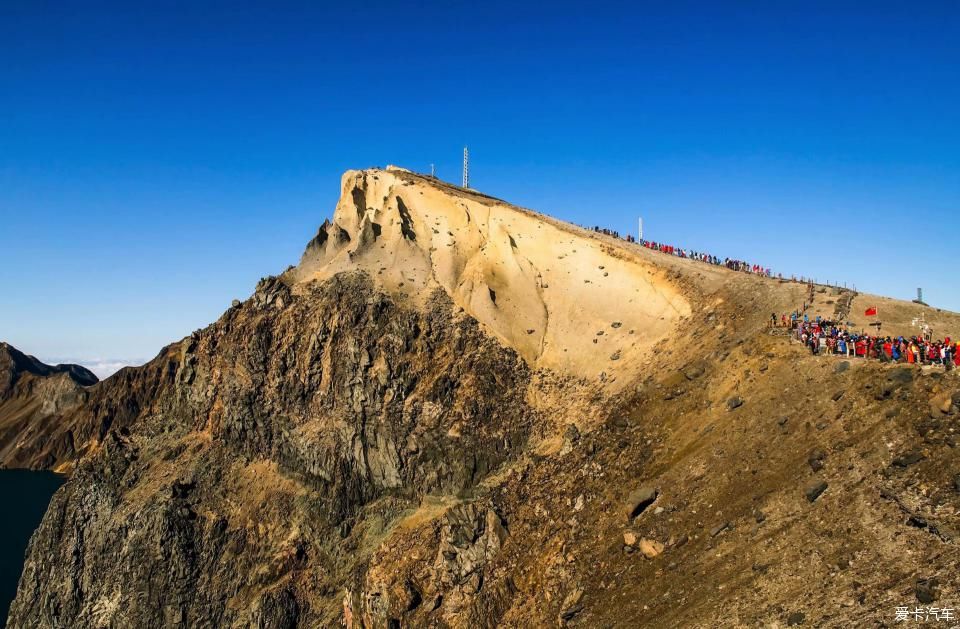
<point x="156" y="161"/>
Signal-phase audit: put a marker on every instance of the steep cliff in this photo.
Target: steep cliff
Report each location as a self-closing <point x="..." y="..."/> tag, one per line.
<point x="457" y="413"/>
<point x="292" y="432"/>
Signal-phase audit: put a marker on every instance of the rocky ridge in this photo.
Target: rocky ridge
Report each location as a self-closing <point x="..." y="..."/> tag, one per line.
<point x="341" y="449"/>
<point x="32" y="396"/>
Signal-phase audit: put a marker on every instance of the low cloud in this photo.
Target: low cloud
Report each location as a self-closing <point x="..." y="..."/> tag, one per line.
<point x="105" y="368"/>
<point x="101" y="367"/>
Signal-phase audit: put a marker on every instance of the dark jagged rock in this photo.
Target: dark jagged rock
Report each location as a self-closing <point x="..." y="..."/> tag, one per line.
<point x="720" y="528"/>
<point x="908" y="459"/>
<point x="926" y="590"/>
<point x="814" y="489"/>
<point x="324" y="401"/>
<point x="639" y="500"/>
<point x="815" y="460"/>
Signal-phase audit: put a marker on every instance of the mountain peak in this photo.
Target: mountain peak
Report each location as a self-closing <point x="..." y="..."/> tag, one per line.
<point x="548" y="289"/>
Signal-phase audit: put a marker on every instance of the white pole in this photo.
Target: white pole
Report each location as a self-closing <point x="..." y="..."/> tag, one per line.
<point x="639" y="229"/>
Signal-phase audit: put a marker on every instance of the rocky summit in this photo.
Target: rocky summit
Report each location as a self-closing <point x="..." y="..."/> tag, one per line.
<point x="454" y="412"/>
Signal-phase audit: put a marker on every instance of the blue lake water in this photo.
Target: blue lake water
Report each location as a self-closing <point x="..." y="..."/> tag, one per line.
<point x="25" y="496"/>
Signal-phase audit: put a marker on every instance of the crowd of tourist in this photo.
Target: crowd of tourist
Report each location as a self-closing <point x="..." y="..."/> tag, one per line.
<point x="735" y="265"/>
<point x="821" y="336"/>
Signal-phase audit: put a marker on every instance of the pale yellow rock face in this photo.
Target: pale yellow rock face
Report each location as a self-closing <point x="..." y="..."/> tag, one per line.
<point x="543" y="287"/>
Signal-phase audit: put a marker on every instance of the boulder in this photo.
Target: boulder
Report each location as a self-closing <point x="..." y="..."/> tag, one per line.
<point x="470" y="536"/>
<point x="675" y="380"/>
<point x="650" y="548"/>
<point x="694" y="371"/>
<point x="639" y="500"/>
<point x="940" y="404"/>
<point x="814" y="489"/>
<point x="572" y="605"/>
<point x="816" y="459"/>
<point x="720" y="528"/>
<point x="900" y="376"/>
<point x="908" y="459"/>
<point x="926" y="590"/>
<point x="734" y="403"/>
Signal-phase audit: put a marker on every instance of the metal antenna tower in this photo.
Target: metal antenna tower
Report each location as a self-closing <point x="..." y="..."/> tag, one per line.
<point x="433" y="172"/>
<point x="466" y="167"/>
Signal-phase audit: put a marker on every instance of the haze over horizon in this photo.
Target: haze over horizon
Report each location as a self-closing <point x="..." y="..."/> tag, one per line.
<point x="153" y="166"/>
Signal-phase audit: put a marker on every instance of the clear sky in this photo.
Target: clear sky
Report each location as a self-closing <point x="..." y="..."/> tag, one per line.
<point x="156" y="162"/>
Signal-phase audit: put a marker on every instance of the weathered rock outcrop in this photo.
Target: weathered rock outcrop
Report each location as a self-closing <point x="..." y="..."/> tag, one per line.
<point x="540" y="289"/>
<point x="239" y="495"/>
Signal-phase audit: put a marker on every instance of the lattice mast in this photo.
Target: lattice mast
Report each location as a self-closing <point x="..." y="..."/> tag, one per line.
<point x="466" y="167"/>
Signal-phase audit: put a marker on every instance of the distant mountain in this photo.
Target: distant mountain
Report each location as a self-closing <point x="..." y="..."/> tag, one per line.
<point x="50" y="415"/>
<point x="14" y="363"/>
<point x="33" y="395"/>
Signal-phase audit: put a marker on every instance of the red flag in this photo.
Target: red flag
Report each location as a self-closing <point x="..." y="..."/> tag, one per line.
<point x="871" y="311"/>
